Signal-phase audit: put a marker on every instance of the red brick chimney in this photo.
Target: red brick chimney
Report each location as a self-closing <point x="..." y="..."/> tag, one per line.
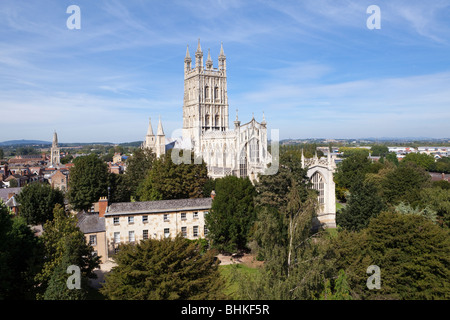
<point x="102" y="205"/>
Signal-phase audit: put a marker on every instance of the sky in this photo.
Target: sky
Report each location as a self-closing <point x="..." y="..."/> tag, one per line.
<point x="313" y="67"/>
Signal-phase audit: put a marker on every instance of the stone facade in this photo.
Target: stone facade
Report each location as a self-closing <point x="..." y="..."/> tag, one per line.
<point x="135" y="221"/>
<point x="320" y="172"/>
<point x="241" y="151"/>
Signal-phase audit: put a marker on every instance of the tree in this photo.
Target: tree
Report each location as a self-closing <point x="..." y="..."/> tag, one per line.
<point x="166" y="269"/>
<point x="412" y="252"/>
<point x="297" y="260"/>
<point x="379" y="150"/>
<point x="167" y="180"/>
<point x="352" y="169"/>
<point x="64" y="245"/>
<point x="20" y="252"/>
<point x="37" y="201"/>
<point x="404" y="184"/>
<point x="232" y="213"/>
<point x="88" y="181"/>
<point x="423" y="160"/>
<point x="138" y="166"/>
<point x="364" y="203"/>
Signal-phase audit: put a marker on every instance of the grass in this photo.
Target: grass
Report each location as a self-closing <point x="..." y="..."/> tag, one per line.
<point x="230" y="273"/>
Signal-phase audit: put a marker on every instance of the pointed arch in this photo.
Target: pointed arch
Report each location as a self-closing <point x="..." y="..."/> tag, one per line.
<point x="318" y="183"/>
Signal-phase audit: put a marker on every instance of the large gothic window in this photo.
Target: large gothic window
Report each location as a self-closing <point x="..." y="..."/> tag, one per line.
<point x="254" y="150"/>
<point x="243" y="162"/>
<point x="207" y="120"/>
<point x="206" y="92"/>
<point x="318" y="184"/>
<point x="216" y="93"/>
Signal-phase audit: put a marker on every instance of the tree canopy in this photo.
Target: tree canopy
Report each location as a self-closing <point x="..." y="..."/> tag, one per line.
<point x="37" y="201"/>
<point x="88" y="181"/>
<point x="166" y="269"/>
<point x="232" y="213"/>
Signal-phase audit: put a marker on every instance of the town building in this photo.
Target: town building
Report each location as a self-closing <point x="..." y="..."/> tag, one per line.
<point x="130" y="222"/>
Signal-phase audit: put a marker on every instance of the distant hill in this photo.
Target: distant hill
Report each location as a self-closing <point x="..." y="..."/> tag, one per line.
<point x="23" y="142"/>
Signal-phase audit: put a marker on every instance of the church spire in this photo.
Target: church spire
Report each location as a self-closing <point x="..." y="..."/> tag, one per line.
<point x="199" y="56"/>
<point x="150" y="129"/>
<point x="160" y="128"/>
<point x="222" y="54"/>
<point x="222" y="59"/>
<point x="187" y="61"/>
<point x="55" y="139"/>
<point x="188" y="56"/>
<point x="199" y="47"/>
<point x="209" y="62"/>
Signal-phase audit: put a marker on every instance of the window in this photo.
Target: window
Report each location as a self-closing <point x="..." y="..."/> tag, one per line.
<point x="144" y="219"/>
<point x="116" y="220"/>
<point x="205" y="229"/>
<point x="183" y="216"/>
<point x="93" y="240"/>
<point x="116" y="237"/>
<point x="131" y="219"/>
<point x="318" y="184"/>
<point x="131" y="236"/>
<point x="166" y="232"/>
<point x="166" y="217"/>
<point x="184" y="231"/>
<point x="195" y="215"/>
<point x="195" y="231"/>
<point x="145" y="234"/>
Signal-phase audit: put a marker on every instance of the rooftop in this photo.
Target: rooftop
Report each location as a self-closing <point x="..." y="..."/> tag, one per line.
<point x="158" y="206"/>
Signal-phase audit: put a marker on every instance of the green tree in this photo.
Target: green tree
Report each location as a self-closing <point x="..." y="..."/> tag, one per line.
<point x="232" y="213"/>
<point x="167" y="180"/>
<point x="296" y="259"/>
<point x="138" y="166"/>
<point x="88" y="181"/>
<point x="353" y="168"/>
<point x="1" y="154"/>
<point x="379" y="150"/>
<point x="37" y="201"/>
<point x="412" y="252"/>
<point x="423" y="160"/>
<point x="404" y="184"/>
<point x="64" y="244"/>
<point x="166" y="269"/>
<point x="20" y="257"/>
<point x="438" y="200"/>
<point x="364" y="203"/>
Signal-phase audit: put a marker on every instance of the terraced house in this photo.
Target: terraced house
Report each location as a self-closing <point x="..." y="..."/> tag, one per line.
<point x="134" y="221"/>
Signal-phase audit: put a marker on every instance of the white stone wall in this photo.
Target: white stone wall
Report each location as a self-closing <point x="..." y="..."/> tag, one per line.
<point x="155" y="226"/>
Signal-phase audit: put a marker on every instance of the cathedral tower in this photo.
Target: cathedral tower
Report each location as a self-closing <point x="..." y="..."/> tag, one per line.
<point x="205" y="103"/>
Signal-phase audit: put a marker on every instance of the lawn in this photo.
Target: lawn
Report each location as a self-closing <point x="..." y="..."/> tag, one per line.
<point x="230" y="272"/>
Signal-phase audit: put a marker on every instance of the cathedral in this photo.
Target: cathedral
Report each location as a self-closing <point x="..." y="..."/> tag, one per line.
<point x="241" y="150"/>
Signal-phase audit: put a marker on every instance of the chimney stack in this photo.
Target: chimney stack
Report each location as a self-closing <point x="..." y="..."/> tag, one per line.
<point x="102" y="206"/>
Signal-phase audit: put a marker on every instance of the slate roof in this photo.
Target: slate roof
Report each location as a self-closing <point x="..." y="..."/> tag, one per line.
<point x="91" y="222"/>
<point x="158" y="206"/>
<point x="5" y="191"/>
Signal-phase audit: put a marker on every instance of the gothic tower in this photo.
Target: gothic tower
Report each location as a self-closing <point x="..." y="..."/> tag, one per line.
<point x="54" y="152"/>
<point x="155" y="143"/>
<point x="205" y="103"/>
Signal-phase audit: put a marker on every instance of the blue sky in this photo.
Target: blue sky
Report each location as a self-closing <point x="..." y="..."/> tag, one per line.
<point x="313" y="67"/>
